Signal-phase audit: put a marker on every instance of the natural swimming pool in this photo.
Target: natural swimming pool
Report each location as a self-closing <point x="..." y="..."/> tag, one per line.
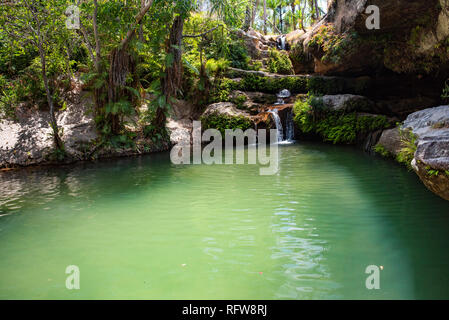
<point x="145" y="228"/>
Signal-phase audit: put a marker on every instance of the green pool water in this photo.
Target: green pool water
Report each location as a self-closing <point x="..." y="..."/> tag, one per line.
<point x="144" y="228"/>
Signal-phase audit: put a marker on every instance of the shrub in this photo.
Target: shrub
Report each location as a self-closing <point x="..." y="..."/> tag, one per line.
<point x="311" y="116"/>
<point x="216" y="68"/>
<point x="238" y="55"/>
<point x="222" y="122"/>
<point x="407" y="152"/>
<point x="279" y="62"/>
<point x="8" y="98"/>
<point x="445" y="94"/>
<point x="239" y="101"/>
<point x="380" y="149"/>
<point x="325" y="85"/>
<point x="221" y="90"/>
<point x="335" y="46"/>
<point x="273" y="85"/>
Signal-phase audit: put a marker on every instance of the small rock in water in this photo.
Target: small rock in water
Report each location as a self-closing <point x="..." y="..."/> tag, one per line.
<point x="284" y="94"/>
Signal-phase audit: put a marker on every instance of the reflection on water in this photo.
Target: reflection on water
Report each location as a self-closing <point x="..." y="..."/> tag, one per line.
<point x="144" y="228"/>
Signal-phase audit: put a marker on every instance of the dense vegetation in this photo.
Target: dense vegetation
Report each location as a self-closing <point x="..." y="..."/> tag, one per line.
<point x="134" y="57"/>
<point x="342" y="126"/>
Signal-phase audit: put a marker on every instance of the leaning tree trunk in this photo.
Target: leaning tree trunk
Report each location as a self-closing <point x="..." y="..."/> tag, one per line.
<point x="247" y="22"/>
<point x="253" y="16"/>
<point x="121" y="65"/>
<point x="293" y="5"/>
<point x="171" y="82"/>
<point x="265" y="16"/>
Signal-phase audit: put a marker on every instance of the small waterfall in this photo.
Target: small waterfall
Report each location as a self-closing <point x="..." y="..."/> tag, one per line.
<point x="290" y="130"/>
<point x="289" y="125"/>
<point x="281" y="43"/>
<point x="281" y="96"/>
<point x="278" y="122"/>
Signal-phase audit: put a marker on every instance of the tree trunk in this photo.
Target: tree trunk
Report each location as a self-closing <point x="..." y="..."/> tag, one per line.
<point x="142" y="5"/>
<point x="247" y="22"/>
<point x="121" y="63"/>
<point x="253" y="17"/>
<point x="97" y="38"/>
<point x="317" y="8"/>
<point x="293" y="5"/>
<point x="265" y="16"/>
<point x="280" y="19"/>
<point x="303" y="12"/>
<point x="173" y="73"/>
<point x="53" y="122"/>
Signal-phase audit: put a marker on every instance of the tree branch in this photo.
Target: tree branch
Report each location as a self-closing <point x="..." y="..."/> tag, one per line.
<point x="201" y="34"/>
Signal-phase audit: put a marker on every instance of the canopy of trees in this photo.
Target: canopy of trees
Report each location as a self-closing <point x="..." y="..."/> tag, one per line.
<point x="129" y="53"/>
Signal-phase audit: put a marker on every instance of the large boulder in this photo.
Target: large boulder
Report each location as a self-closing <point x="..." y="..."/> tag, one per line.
<point x="225" y="109"/>
<point x="412" y="37"/>
<point x="431" y="162"/>
<point x="347" y="103"/>
<point x="390" y="141"/>
<point x="431" y="126"/>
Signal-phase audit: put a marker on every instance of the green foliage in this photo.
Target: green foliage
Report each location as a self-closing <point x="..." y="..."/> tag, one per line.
<point x="311" y="116"/>
<point x="221" y="90"/>
<point x="380" y="149"/>
<point x="325" y="85"/>
<point x="445" y="94"/>
<point x="273" y="85"/>
<point x="232" y="12"/>
<point x="238" y="55"/>
<point x="432" y="172"/>
<point x="407" y="152"/>
<point x="279" y="62"/>
<point x="223" y="122"/>
<point x="239" y="101"/>
<point x="334" y="45"/>
<point x="216" y="68"/>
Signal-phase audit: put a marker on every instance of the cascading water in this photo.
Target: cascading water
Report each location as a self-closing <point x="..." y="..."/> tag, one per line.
<point x="289" y="127"/>
<point x="278" y="123"/>
<point x="281" y="43"/>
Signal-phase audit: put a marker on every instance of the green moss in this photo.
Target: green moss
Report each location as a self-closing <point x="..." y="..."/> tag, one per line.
<point x="407" y="152"/>
<point x="311" y="116"/>
<point x="432" y="172"/>
<point x="297" y="54"/>
<point x="334" y="45"/>
<point x="273" y="85"/>
<point x="222" y="122"/>
<point x="279" y="62"/>
<point x="380" y="149"/>
<point x="221" y="90"/>
<point x="445" y="94"/>
<point x="239" y="101"/>
<point x="325" y="85"/>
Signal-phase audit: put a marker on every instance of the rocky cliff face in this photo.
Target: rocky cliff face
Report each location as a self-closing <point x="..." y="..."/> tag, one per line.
<point x="412" y="39"/>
